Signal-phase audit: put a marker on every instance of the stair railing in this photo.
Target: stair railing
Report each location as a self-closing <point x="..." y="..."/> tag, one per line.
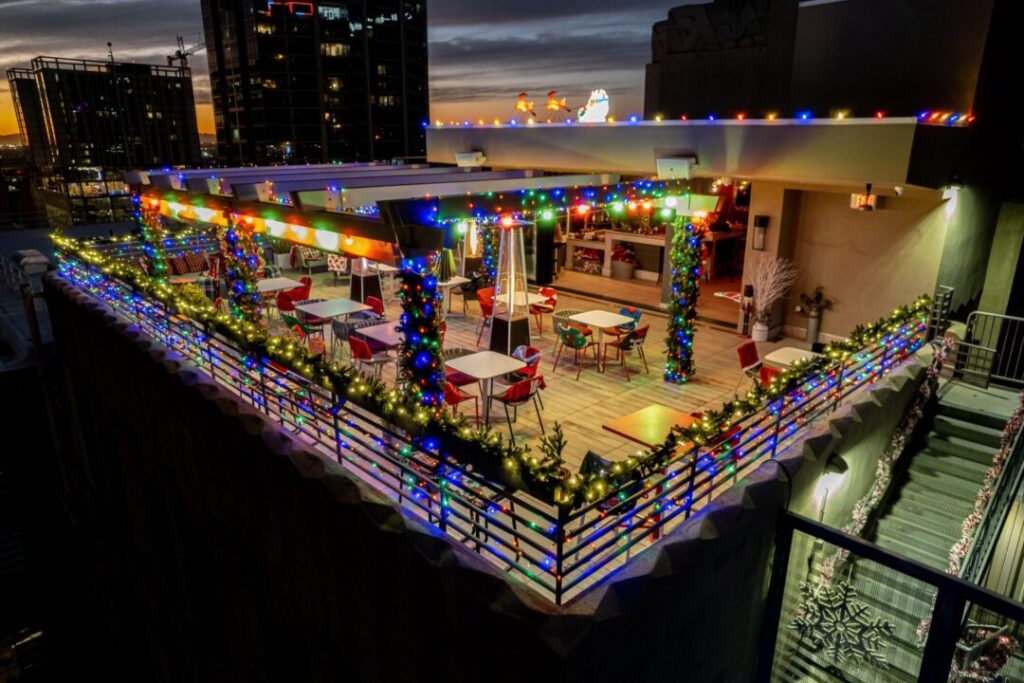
<point x="1002" y="339"/>
<point x="996" y="510"/>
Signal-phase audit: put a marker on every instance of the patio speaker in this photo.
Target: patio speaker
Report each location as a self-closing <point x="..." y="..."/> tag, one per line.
<point x="676" y="167"/>
<point x="473" y="159"/>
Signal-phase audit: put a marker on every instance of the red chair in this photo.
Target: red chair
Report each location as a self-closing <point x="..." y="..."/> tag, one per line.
<point x="285" y="303"/>
<point x="362" y="354"/>
<point x="519" y="394"/>
<point x="307" y="287"/>
<point x="547" y="306"/>
<point x="484" y="297"/>
<point x="376" y="305"/>
<point x="453" y="396"/>
<point x="442" y="331"/>
<point x="766" y="374"/>
<point x="750" y="360"/>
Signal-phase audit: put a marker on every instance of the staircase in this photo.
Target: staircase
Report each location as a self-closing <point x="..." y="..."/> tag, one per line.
<point x="922" y="522"/>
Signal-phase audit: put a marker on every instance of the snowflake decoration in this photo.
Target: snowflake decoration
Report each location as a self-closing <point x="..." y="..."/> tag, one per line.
<point x="841" y="626"/>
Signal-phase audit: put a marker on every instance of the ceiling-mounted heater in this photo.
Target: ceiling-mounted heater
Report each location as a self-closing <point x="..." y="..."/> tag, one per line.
<point x="864" y="202"/>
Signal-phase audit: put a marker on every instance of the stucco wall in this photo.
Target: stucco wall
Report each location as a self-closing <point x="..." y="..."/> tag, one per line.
<point x="868" y="262"/>
<point x="1002" y="264"/>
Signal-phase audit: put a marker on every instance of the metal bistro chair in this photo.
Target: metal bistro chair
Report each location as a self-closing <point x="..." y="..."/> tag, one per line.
<point x="750" y="361"/>
<point x="633" y="339"/>
<point x="630" y="312"/>
<point x="519" y="394"/>
<point x="484" y="297"/>
<point x="453" y="396"/>
<point x="547" y="306"/>
<point x="571" y="337"/>
<point x="313" y="323"/>
<point x="362" y="355"/>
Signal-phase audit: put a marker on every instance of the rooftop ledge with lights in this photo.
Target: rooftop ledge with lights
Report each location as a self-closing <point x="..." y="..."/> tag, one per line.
<point x="916" y="151"/>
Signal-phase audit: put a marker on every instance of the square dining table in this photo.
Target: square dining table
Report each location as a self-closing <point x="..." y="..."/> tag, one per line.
<point x="386" y="334"/>
<point x="649" y="426"/>
<point x="484" y="366"/>
<point x="332" y="308"/>
<point x="602" y="320"/>
<point x="276" y="284"/>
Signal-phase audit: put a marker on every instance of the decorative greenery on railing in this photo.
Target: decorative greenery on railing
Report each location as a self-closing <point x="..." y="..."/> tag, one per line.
<point x="543" y="476"/>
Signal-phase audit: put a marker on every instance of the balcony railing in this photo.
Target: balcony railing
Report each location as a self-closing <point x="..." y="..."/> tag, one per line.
<point x="558" y="551"/>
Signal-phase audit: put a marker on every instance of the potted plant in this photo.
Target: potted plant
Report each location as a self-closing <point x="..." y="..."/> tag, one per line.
<point x="624" y="261"/>
<point x="811" y="306"/>
<point x="282" y="252"/>
<point x="772" y="277"/>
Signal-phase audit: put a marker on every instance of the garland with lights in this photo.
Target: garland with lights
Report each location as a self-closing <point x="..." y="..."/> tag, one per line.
<point x="490" y="238"/>
<point x="242" y="269"/>
<point x="682" y="306"/>
<point x="153" y="235"/>
<point x="492" y="457"/>
<point x="421" y="365"/>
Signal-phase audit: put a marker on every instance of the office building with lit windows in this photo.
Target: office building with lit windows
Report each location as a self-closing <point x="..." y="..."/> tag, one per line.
<point x="317" y="82"/>
<point x="85" y="122"/>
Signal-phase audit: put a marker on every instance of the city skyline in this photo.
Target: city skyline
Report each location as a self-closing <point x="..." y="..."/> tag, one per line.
<point x="481" y="57"/>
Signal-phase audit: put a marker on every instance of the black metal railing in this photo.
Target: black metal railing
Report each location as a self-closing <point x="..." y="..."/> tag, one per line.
<point x="559" y="552"/>
<point x="933" y="660"/>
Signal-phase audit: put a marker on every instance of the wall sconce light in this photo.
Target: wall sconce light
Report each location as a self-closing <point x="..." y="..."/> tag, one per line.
<point x="760" y="228"/>
<point x="831" y="480"/>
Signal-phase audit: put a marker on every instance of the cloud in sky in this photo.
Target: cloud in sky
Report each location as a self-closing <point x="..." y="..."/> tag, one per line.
<point x="482" y="52"/>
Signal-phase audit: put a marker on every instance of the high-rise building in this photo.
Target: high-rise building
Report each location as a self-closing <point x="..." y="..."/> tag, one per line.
<point x="86" y="122"/>
<point x="317" y="82"/>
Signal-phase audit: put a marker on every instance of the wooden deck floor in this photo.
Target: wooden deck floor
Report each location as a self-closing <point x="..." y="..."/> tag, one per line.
<point x="583" y="406"/>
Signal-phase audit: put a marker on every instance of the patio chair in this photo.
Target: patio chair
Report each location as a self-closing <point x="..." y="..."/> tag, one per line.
<point x="766" y="374"/>
<point x="519" y="394"/>
<point x="563" y="317"/>
<point x="632" y="339"/>
<point x="453" y="396"/>
<point x="362" y="355"/>
<point x="306" y="289"/>
<point x="376" y="311"/>
<point x="484" y="297"/>
<point x="285" y="304"/>
<point x="530" y="355"/>
<point x="629" y="311"/>
<point x="467" y="290"/>
<point x="571" y="337"/>
<point x="547" y="306"/>
<point x="337" y="266"/>
<point x="308" y="258"/>
<point x="313" y="323"/>
<point x="750" y="360"/>
<point x="293" y="323"/>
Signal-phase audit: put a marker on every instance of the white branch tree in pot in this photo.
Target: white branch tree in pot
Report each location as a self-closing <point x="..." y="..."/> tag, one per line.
<point x="772" y="278"/>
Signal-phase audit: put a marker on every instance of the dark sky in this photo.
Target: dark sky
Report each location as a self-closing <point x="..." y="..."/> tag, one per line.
<point x="482" y="52"/>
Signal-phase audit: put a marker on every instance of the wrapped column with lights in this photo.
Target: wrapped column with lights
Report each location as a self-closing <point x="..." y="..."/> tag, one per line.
<point x="153" y="235"/>
<point x="242" y="268"/>
<point x="682" y="306"/>
<point x="420" y="364"/>
<point x="490" y="236"/>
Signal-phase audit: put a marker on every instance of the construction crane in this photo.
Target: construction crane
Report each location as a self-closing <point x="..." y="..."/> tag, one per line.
<point x="181" y="55"/>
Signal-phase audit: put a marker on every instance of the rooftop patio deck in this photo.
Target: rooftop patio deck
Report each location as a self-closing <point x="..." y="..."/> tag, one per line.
<point x="583" y="406"/>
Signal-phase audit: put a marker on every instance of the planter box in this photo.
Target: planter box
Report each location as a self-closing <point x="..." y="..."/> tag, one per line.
<point x="623" y="271"/>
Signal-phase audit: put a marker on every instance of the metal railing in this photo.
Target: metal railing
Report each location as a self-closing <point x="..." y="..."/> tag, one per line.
<point x="979" y="554"/>
<point x="559" y="552"/>
<point x="1002" y="339"/>
<point x="953" y="596"/>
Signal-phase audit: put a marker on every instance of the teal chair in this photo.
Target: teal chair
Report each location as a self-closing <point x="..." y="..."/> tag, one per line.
<point x="572" y="338"/>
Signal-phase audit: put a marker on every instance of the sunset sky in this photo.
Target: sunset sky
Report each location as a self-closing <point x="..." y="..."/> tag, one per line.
<point x="482" y="52"/>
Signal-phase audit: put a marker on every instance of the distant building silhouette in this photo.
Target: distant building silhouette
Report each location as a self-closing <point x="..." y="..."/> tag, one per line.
<point x="85" y="122"/>
<point x="316" y="82"/>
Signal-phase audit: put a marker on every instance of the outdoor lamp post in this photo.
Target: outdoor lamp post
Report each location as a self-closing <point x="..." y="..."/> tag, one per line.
<point x="831" y="479"/>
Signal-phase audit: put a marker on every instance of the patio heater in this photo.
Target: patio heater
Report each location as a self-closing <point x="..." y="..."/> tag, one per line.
<point x="510" y="324"/>
<point x="365" y="281"/>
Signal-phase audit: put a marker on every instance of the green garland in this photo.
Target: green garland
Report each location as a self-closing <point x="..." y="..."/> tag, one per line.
<point x="682" y="306"/>
<point x="544" y="477"/>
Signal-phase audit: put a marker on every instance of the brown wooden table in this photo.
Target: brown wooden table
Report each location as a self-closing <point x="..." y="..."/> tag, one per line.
<point x="649" y="426"/>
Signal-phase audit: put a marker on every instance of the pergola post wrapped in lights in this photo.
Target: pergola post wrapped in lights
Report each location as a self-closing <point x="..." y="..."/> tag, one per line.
<point x="153" y="234"/>
<point x="420" y="363"/>
<point x="242" y="267"/>
<point x="682" y="305"/>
